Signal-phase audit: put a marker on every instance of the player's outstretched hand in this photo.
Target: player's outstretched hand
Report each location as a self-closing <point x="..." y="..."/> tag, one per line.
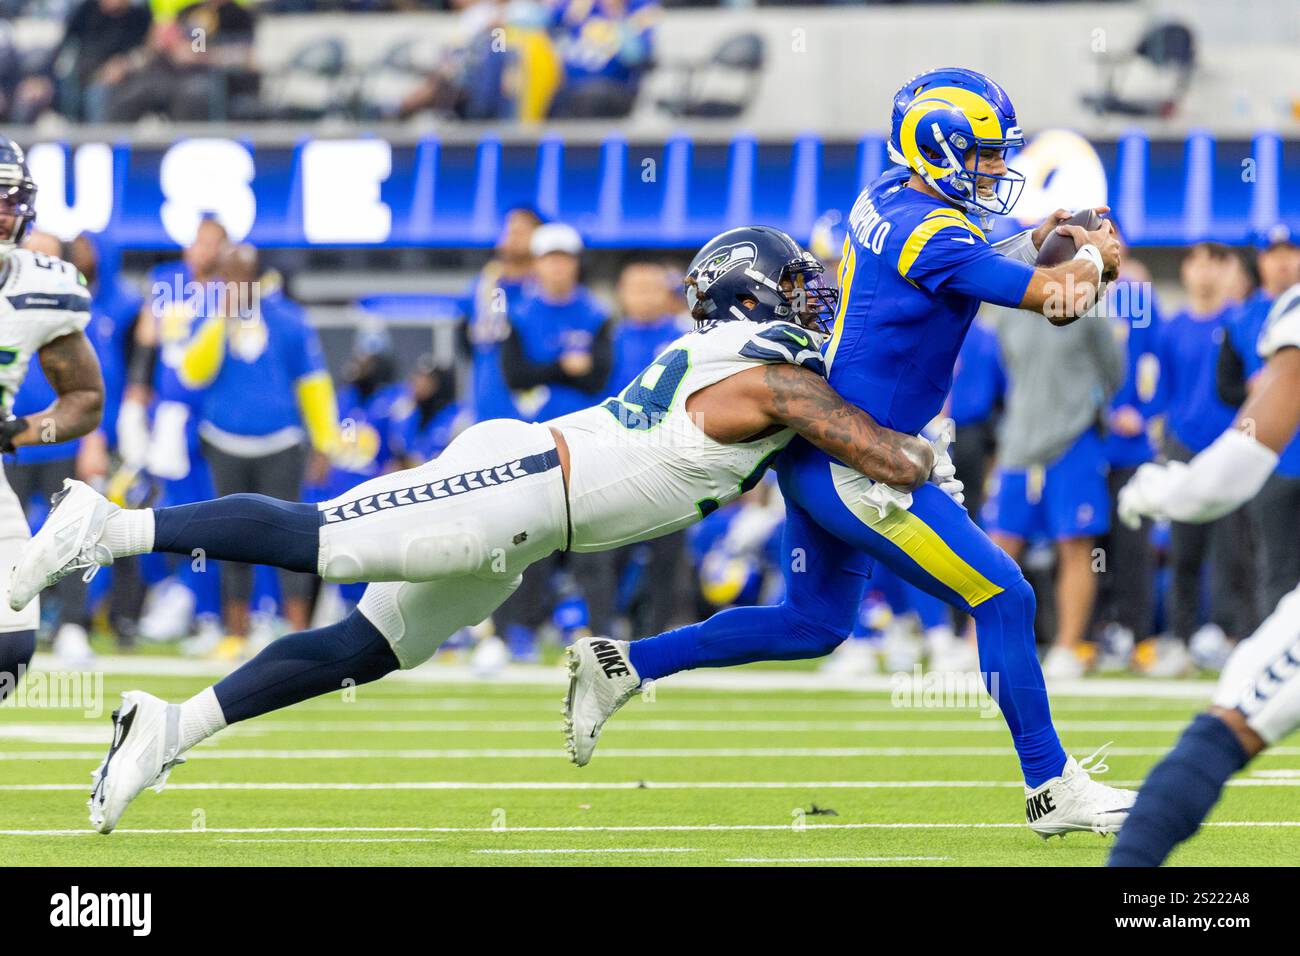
<point x="1048" y="225"/>
<point x="1106" y="239"/>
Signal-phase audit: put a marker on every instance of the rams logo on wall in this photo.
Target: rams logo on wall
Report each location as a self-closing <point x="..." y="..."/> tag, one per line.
<point x="1062" y="171"/>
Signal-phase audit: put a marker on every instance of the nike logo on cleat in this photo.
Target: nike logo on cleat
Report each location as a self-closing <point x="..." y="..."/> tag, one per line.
<point x="611" y="661"/>
<point x="1038" y="805"/>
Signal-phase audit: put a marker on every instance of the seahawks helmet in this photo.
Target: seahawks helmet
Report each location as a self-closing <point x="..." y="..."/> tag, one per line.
<point x="948" y="114"/>
<point x="17" y="194"/>
<point x="759" y="274"/>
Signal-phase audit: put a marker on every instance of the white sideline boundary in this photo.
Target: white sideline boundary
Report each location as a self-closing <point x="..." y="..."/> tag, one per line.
<point x="720" y="679"/>
<point x="209" y="752"/>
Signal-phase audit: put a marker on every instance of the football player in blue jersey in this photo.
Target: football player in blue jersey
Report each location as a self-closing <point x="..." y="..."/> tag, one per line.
<point x="916" y="267"/>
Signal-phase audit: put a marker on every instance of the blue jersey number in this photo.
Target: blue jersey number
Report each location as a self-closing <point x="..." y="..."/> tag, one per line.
<point x="645" y="402"/>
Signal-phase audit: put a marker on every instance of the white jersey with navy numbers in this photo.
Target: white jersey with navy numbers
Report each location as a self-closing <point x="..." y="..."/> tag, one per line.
<point x="1282" y="327"/>
<point x="640" y="466"/>
<point x="41" y="299"/>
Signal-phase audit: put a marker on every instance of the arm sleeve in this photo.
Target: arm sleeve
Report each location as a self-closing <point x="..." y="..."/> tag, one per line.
<point x="521" y="372"/>
<point x="602" y="362"/>
<point x="201" y="362"/>
<point x="1220" y="479"/>
<point x="1230" y="374"/>
<point x="1019" y="248"/>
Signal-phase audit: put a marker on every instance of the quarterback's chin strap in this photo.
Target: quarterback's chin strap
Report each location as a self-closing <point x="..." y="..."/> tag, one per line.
<point x="1217" y="481"/>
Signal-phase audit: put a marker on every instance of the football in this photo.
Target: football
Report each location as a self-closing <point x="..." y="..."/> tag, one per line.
<point x="1057" y="248"/>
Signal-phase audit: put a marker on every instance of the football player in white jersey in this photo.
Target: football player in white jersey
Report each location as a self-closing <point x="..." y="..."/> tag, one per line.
<point x="449" y="540"/>
<point x="1257" y="702"/>
<point x="43" y="310"/>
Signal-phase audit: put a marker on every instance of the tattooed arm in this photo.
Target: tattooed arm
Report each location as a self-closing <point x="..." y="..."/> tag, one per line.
<point x="73" y="370"/>
<point x="760" y="399"/>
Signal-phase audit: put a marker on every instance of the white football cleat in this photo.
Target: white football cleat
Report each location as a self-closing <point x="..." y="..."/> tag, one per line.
<point x="601" y="680"/>
<point x="70" y="540"/>
<point x="855" y="657"/>
<point x="1062" y="663"/>
<point x="146" y="745"/>
<point x="1074" y="802"/>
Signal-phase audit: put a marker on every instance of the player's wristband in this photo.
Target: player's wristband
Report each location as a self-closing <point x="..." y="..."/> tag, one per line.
<point x="1093" y="255"/>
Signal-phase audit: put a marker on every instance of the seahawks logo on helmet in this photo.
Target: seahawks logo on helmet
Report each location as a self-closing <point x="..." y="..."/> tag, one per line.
<point x="740" y="255"/>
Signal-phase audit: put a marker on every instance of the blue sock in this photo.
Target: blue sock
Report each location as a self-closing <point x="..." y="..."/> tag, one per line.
<point x="1179" y="792"/>
<point x="740" y="635"/>
<point x="252" y="529"/>
<point x="16" y="650"/>
<point x="300" y="666"/>
<point x="1004" y="628"/>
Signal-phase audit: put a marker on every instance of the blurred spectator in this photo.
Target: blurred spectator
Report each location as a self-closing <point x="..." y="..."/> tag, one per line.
<point x="105" y="38"/>
<point x="365" y="403"/>
<point x="978" y="387"/>
<point x="468" y="81"/>
<point x="1052" y="459"/>
<point x="557" y="355"/>
<point x="168" y="448"/>
<point x="1276" y="509"/>
<point x="556" y="360"/>
<point x="1189" y="345"/>
<point x="427" y="417"/>
<point x="114" y="310"/>
<point x="492" y="296"/>
<point x="194" y="68"/>
<point x="1126" y="605"/>
<point x="652" y="317"/>
<point x="606" y="46"/>
<point x="259" y="343"/>
<point x="651" y="575"/>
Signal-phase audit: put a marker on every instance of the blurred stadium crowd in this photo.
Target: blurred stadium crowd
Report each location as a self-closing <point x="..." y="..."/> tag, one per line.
<point x="118" y="61"/>
<point x="217" y="383"/>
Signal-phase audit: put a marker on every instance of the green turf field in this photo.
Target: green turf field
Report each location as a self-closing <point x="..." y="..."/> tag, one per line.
<point x="464" y="772"/>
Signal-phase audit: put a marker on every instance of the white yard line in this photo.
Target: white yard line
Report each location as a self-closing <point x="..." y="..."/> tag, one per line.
<point x="643" y="828"/>
<point x="838" y="859"/>
<point x="599" y="785"/>
<point x="209" y="752"/>
<point x="971" y="724"/>
<point x="661" y="849"/>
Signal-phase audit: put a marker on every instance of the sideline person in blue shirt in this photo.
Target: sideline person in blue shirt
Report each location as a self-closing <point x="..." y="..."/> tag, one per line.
<point x="1189" y="344"/>
<point x="1276" y="509"/>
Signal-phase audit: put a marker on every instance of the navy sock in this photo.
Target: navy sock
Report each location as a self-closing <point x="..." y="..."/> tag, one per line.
<point x="16" y="650"/>
<point x="1179" y="792"/>
<point x="300" y="666"/>
<point x="253" y="529"/>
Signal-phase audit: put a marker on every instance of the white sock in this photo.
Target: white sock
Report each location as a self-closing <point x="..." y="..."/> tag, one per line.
<point x="201" y="717"/>
<point x="129" y="532"/>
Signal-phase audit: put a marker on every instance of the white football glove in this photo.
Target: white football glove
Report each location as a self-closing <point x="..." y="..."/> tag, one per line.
<point x="944" y="472"/>
<point x="1147" y="493"/>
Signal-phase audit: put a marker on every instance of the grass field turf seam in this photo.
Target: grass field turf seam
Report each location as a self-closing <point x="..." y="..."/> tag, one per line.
<point x="801" y="742"/>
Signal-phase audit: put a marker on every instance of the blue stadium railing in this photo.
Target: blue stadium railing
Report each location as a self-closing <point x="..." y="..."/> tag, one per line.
<point x="673" y="193"/>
